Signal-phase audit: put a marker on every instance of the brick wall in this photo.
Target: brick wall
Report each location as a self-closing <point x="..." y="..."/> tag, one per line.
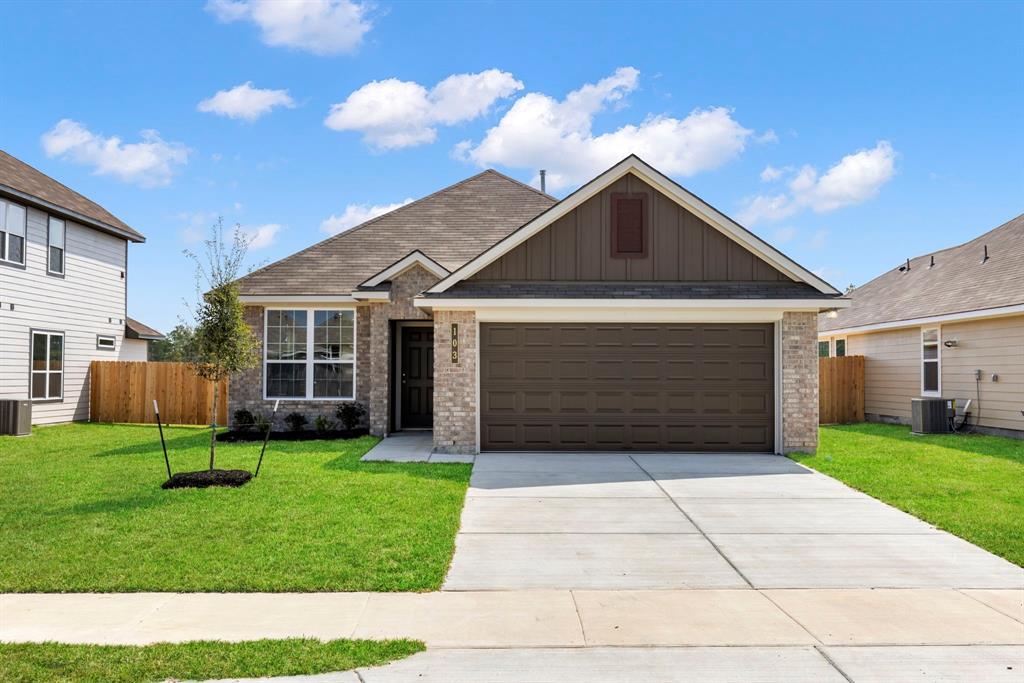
<point x="455" y="384"/>
<point x="246" y="389"/>
<point x="799" y="382"/>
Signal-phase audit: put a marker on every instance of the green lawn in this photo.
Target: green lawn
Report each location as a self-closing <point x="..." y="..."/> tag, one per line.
<point x="82" y="510"/>
<point x="56" y="662"/>
<point x="969" y="485"/>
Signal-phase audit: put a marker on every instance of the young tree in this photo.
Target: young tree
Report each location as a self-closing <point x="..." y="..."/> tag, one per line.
<point x="224" y="344"/>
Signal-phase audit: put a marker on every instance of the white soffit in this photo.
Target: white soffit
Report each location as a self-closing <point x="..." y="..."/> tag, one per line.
<point x="414" y="258"/>
<point x="671" y="189"/>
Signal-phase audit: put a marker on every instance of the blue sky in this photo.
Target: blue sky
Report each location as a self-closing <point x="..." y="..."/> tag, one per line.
<point x="852" y="136"/>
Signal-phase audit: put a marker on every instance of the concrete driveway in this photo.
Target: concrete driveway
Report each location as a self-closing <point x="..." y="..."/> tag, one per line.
<point x="625" y="521"/>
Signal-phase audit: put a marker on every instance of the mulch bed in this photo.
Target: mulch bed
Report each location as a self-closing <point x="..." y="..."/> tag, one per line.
<point x="206" y="478"/>
<point x="233" y="435"/>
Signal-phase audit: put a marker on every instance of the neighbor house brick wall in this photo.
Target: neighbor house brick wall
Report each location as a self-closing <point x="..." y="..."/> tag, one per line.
<point x="403" y="289"/>
<point x="246" y="389"/>
<point x="799" y="382"/>
<point x="455" y="408"/>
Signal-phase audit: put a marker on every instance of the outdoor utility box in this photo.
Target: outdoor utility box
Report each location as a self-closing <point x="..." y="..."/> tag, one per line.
<point x="930" y="415"/>
<point x="15" y="417"/>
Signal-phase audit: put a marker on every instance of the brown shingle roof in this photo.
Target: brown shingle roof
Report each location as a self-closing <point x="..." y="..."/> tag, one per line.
<point x="450" y="226"/>
<point x="25" y="182"/>
<point x="957" y="283"/>
<point x="133" y="329"/>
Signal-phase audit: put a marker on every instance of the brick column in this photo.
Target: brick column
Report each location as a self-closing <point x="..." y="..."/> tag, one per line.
<point x="455" y="408"/>
<point x="799" y="382"/>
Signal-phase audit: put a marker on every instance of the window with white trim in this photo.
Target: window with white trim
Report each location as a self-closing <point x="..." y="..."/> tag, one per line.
<point x="55" y="255"/>
<point x="47" y="365"/>
<point x="13" y="225"/>
<point x="823" y="349"/>
<point x="840" y="345"/>
<point x="106" y="342"/>
<point x="309" y="354"/>
<point x="930" y="361"/>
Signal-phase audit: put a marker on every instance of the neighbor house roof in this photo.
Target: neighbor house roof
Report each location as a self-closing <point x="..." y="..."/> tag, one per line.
<point x="950" y="281"/>
<point x="18" y="180"/>
<point x="133" y="329"/>
<point x="450" y="227"/>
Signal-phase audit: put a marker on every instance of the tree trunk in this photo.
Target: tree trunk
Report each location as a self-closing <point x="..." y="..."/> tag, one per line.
<point x="213" y="425"/>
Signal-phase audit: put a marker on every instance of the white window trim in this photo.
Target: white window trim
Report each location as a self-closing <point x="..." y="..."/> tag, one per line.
<point x="309" y="354"/>
<point x="63" y="246"/>
<point x="6" y="232"/>
<point x="833" y="351"/>
<point x="828" y="345"/>
<point x="47" y="372"/>
<point x="113" y="342"/>
<point x="937" y="361"/>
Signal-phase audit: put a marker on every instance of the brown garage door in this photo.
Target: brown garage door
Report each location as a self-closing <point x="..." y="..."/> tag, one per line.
<point x="664" y="387"/>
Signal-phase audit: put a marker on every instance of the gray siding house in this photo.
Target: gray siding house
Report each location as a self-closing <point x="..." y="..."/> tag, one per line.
<point x="630" y="315"/>
<point x="63" y="273"/>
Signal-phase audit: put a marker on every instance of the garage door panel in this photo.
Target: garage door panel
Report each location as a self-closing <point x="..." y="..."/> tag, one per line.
<point x="619" y="387"/>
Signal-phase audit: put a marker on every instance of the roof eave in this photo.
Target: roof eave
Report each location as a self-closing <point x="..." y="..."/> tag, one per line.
<point x="130" y="235"/>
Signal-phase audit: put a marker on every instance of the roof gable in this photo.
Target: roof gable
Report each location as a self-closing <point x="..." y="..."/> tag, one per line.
<point x="449" y="227"/>
<point x="945" y="282"/>
<point x="643" y="171"/>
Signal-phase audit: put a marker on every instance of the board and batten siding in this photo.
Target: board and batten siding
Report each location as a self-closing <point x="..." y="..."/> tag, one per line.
<point x="88" y="301"/>
<point x="893" y="369"/>
<point x="578" y="247"/>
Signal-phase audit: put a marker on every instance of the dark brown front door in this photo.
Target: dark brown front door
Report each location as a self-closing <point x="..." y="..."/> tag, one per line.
<point x="417" y="380"/>
<point x="611" y="386"/>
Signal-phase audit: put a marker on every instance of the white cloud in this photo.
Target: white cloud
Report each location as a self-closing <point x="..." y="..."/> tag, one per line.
<point x="392" y="114"/>
<point x="771" y="174"/>
<point x="261" y="236"/>
<point x="148" y="163"/>
<point x="323" y="27"/>
<point x="855" y="179"/>
<point x="767" y="137"/>
<point x="818" y="239"/>
<point x="356" y="214"/>
<point x="783" y="235"/>
<point x="245" y="102"/>
<point x="539" y="131"/>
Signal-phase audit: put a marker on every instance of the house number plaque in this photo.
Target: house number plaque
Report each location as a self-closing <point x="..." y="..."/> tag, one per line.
<point x="455" y="343"/>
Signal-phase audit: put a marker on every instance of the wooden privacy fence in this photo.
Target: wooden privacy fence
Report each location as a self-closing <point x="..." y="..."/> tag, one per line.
<point x="841" y="389"/>
<point x="123" y="391"/>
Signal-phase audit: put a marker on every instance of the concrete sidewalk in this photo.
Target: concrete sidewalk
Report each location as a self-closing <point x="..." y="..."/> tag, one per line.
<point x="532" y="619"/>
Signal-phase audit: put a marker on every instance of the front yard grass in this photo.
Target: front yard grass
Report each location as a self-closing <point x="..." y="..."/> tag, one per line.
<point x="200" y="660"/>
<point x="82" y="510"/>
<point x="969" y="485"/>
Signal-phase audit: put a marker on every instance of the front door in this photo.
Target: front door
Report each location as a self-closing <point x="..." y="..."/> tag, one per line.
<point x="417" y="380"/>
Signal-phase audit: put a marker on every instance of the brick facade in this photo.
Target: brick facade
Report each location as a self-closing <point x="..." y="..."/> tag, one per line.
<point x="799" y="382"/>
<point x="455" y="409"/>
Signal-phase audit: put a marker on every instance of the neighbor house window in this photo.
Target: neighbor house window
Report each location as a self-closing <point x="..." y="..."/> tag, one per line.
<point x="840" y="347"/>
<point x="106" y="342"/>
<point x="310" y="354"/>
<point x="823" y="349"/>
<point x="47" y="365"/>
<point x="55" y="257"/>
<point x="930" y="360"/>
<point x="13" y="226"/>
<point x="629" y="225"/>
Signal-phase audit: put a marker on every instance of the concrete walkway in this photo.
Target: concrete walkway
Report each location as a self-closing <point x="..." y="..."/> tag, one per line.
<point x="532" y="618"/>
<point x="410" y="446"/>
<point x="620" y="521"/>
<point x="999" y="664"/>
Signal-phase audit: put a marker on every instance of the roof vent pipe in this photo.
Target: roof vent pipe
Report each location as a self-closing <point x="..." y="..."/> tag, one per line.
<point x="905" y="268"/>
<point x="985" y="256"/>
<point x="543" y="183"/>
<point x="932" y="264"/>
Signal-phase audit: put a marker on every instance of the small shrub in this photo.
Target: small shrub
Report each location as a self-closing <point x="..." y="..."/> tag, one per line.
<point x="296" y="421"/>
<point x="243" y="420"/>
<point x="323" y="424"/>
<point x="351" y="415"/>
<point x="261" y="423"/>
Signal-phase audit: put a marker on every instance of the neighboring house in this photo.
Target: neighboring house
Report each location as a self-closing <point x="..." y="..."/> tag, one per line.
<point x="950" y="325"/>
<point x="630" y="315"/>
<point x="137" y="336"/>
<point x="63" y="273"/>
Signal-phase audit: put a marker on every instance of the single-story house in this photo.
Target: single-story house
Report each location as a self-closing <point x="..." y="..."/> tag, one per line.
<point x="135" y="345"/>
<point x="948" y="324"/>
<point x="630" y="315"/>
<point x="63" y="291"/>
